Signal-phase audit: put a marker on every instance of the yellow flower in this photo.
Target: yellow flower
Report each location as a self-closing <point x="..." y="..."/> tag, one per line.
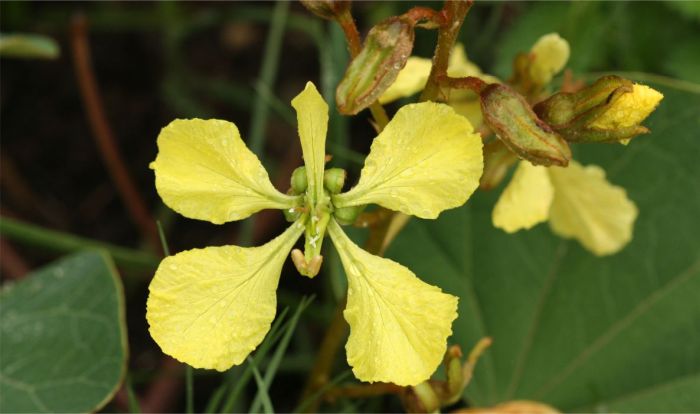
<point x="629" y="109"/>
<point x="211" y="307"/>
<point x="550" y="52"/>
<point x="578" y="202"/>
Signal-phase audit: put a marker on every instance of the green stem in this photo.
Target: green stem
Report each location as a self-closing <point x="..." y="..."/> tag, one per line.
<point x="268" y="73"/>
<point x="55" y="241"/>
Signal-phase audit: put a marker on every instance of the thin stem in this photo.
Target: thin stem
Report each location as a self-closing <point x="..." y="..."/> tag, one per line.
<point x="103" y="135"/>
<point x="55" y="241"/>
<point x="11" y="262"/>
<point x="454" y="12"/>
<point x="418" y="14"/>
<point x="320" y="373"/>
<point x="189" y="389"/>
<point x="268" y="74"/>
<point x="363" y="391"/>
<point x="472" y="83"/>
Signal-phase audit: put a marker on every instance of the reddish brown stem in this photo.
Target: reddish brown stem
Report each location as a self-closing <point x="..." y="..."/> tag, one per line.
<point x="418" y="14"/>
<point x="363" y="391"/>
<point x="454" y="12"/>
<point x="103" y="135"/>
<point x="12" y="264"/>
<point x="470" y="82"/>
<point x="332" y="340"/>
<point x="352" y="35"/>
<point x="164" y="391"/>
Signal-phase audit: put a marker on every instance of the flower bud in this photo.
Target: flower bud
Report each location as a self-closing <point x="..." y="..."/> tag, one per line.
<point x="299" y="180"/>
<point x="609" y="110"/>
<point x="307" y="268"/>
<point x="508" y="114"/>
<point x="375" y="68"/>
<point x="326" y="9"/>
<point x="334" y="179"/>
<point x="347" y="215"/>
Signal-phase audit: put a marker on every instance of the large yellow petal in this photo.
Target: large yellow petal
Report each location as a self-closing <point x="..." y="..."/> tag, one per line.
<point x="590" y="209"/>
<point x="211" y="307"/>
<point x="526" y="200"/>
<point x="398" y="324"/>
<point x="204" y="171"/>
<point x="312" y="119"/>
<point x="412" y="79"/>
<point x="426" y="160"/>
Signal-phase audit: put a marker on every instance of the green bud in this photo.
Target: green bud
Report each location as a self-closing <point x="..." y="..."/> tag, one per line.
<point x="455" y="378"/>
<point x="577" y="116"/>
<point x="291" y="215"/>
<point x="334" y="179"/>
<point x="348" y="215"/>
<point x="509" y="115"/>
<point x="299" y="180"/>
<point x="326" y="9"/>
<point x="384" y="53"/>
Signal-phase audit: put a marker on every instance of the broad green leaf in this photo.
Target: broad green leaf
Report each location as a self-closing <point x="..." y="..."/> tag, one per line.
<point x="580" y="332"/>
<point x="63" y="337"/>
<point x="28" y="46"/>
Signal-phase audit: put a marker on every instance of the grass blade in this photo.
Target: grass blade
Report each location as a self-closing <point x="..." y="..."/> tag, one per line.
<point x="242" y="380"/>
<point x="315" y="396"/>
<point x="262" y="389"/>
<point x="272" y="367"/>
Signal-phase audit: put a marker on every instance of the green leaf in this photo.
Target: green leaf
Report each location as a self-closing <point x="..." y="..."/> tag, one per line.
<point x="583" y="333"/>
<point x="63" y="337"/>
<point x="28" y="46"/>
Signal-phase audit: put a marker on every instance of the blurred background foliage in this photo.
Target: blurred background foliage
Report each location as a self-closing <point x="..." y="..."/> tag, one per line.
<point x="578" y="332"/>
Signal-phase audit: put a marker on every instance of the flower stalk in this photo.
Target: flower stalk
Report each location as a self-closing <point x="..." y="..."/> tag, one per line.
<point x="454" y="12"/>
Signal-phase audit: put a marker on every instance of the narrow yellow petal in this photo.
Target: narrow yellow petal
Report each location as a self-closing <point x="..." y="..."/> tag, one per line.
<point x="204" y="171"/>
<point x="590" y="209"/>
<point x="312" y="119"/>
<point x="428" y="159"/>
<point x="211" y="307"/>
<point x="630" y="109"/>
<point x="551" y="54"/>
<point x="526" y="200"/>
<point x="398" y="324"/>
<point x="412" y="79"/>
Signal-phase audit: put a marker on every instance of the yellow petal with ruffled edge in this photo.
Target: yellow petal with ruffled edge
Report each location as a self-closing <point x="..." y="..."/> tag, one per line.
<point x="398" y="324"/>
<point x="526" y="200"/>
<point x="204" y="171"/>
<point x="312" y="119"/>
<point x="426" y="160"/>
<point x="590" y="209"/>
<point x="411" y="79"/>
<point x="551" y="54"/>
<point x="211" y="307"/>
<point x="630" y="109"/>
